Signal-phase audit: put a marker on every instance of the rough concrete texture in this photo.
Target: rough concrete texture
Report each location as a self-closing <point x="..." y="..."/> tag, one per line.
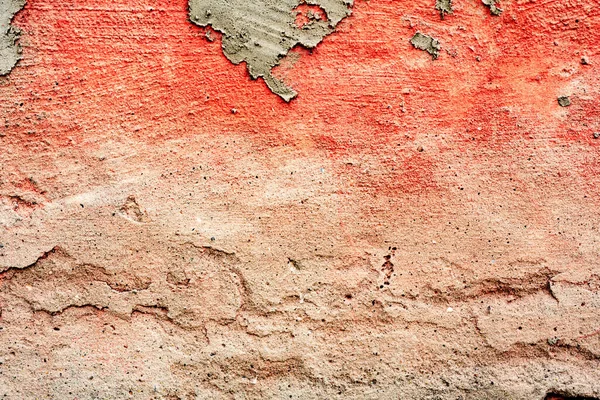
<point x="10" y="51"/>
<point x="262" y="32"/>
<point x="405" y="229"/>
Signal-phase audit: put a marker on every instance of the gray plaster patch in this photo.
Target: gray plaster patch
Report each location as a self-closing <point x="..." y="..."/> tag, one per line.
<point x="262" y="32"/>
<point x="10" y="51"/>
<point x="426" y="43"/>
<point x="564" y="101"/>
<point x="444" y="7"/>
<point x="492" y="4"/>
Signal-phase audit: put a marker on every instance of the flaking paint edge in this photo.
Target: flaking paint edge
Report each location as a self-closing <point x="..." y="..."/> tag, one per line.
<point x="10" y="50"/>
<point x="263" y="44"/>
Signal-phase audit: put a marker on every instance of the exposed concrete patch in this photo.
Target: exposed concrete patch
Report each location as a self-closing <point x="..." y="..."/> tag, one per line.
<point x="492" y="4"/>
<point x="262" y="32"/>
<point x="10" y="51"/>
<point x="564" y="101"/>
<point x="426" y="43"/>
<point x="444" y="7"/>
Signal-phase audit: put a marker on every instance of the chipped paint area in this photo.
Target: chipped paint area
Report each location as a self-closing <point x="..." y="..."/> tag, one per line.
<point x="262" y="32"/>
<point x="10" y="51"/>
<point x="426" y="43"/>
<point x="493" y="6"/>
<point x="444" y="7"/>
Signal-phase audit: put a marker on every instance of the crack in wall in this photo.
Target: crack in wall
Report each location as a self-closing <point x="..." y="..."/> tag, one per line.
<point x="57" y="282"/>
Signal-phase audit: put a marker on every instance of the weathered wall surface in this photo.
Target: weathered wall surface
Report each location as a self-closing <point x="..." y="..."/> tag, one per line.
<point x="405" y="228"/>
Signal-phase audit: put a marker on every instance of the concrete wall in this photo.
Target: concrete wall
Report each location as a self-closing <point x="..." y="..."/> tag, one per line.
<point x="406" y="228"/>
